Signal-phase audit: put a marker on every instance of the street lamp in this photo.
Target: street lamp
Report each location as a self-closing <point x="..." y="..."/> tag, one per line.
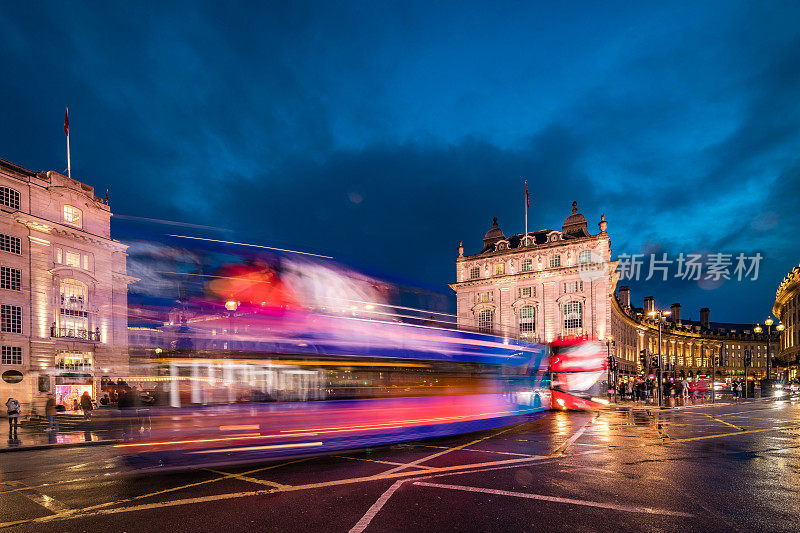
<point x="612" y="374"/>
<point x="758" y="329"/>
<point x="661" y="315"/>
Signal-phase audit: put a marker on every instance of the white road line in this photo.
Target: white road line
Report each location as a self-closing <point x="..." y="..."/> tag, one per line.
<point x="576" y="436"/>
<point x="376" y="507"/>
<point x="612" y="506"/>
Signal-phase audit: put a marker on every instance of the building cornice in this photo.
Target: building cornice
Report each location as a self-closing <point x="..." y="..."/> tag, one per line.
<point x="43" y="225"/>
<point x="536" y="247"/>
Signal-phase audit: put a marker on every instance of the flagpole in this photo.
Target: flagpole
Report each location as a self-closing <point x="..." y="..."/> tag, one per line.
<point x="525" y="238"/>
<point x="66" y="130"/>
<point x="69" y="169"/>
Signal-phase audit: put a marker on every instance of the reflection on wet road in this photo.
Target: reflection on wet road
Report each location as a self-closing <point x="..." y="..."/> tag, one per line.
<point x="731" y="467"/>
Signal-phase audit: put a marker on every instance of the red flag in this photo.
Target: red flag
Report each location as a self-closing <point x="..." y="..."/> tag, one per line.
<point x="527" y="198"/>
<point x="66" y="122"/>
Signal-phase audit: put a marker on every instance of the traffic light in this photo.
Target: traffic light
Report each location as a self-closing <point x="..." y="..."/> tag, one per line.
<point x="723" y="358"/>
<point x="643" y="358"/>
<point x="654" y="361"/>
<point x="748" y="357"/>
<point x="717" y="360"/>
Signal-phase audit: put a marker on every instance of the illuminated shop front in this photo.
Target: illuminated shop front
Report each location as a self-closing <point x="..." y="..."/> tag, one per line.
<point x="74" y="376"/>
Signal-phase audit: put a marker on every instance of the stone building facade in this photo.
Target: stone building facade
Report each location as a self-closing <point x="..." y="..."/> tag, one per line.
<point x="555" y="283"/>
<point x="63" y="288"/>
<point x="787" y="309"/>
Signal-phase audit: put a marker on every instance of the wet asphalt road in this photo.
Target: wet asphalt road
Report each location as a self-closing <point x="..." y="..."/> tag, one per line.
<point x="724" y="468"/>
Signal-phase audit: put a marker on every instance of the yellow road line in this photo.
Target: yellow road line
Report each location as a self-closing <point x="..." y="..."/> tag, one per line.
<point x="250" y="479"/>
<point x="98" y="510"/>
<point x="377" y="461"/>
<point x="723" y="422"/>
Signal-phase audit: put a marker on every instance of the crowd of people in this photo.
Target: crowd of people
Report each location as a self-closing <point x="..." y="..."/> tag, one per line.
<point x="676" y="391"/>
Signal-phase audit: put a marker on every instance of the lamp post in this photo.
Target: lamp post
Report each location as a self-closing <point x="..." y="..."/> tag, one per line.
<point x="661" y="315"/>
<point x="758" y="329"/>
<point x="612" y="376"/>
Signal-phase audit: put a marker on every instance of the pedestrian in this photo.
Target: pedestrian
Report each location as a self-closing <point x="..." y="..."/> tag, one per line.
<point x="50" y="412"/>
<point x="685" y="387"/>
<point x="736" y="390"/>
<point x="679" y="392"/>
<point x="14" y="410"/>
<point x="86" y="405"/>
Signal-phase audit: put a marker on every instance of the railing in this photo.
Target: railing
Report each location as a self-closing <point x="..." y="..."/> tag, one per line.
<point x="73" y="333"/>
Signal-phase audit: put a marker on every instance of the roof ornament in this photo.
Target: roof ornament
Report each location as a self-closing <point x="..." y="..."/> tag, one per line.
<point x="494" y="222"/>
<point x="460" y="248"/>
<point x="574" y="208"/>
<point x="603" y="224"/>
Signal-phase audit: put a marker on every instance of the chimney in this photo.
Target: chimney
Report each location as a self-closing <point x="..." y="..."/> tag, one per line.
<point x="704" y="323"/>
<point x="625" y="297"/>
<point x="649" y="305"/>
<point x="675" y="313"/>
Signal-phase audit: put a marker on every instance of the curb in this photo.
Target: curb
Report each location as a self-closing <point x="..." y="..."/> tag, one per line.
<point x="65" y="445"/>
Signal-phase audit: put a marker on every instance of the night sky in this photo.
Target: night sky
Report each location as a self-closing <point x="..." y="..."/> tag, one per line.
<point x="383" y="134"/>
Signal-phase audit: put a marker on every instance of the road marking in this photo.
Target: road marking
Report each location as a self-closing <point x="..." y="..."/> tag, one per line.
<point x="431" y="472"/>
<point x="562" y="449"/>
<point x="448" y="450"/>
<point x="376" y="507"/>
<point x="250" y="479"/>
<point x="377" y="461"/>
<point x="51" y="504"/>
<point x="612" y="506"/>
<point x="484" y="451"/>
<point x="723" y="422"/>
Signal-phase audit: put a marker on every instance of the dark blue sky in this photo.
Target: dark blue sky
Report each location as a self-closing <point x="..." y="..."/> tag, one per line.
<point x="382" y="134"/>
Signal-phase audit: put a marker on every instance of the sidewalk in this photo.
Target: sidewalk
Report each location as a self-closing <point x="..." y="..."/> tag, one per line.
<point x="31" y="436"/>
<point x="699" y="402"/>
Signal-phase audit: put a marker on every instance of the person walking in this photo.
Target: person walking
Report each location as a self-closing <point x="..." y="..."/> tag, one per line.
<point x="14" y="410"/>
<point x="86" y="405"/>
<point x="50" y="412"/>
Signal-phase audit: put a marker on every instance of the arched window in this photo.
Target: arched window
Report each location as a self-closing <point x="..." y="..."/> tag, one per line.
<point x="73" y="315"/>
<point x="486" y="321"/>
<point x="573" y="318"/>
<point x="527" y="323"/>
<point x="9" y="197"/>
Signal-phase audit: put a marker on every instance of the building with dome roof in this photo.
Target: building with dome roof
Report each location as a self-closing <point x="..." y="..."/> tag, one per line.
<point x="554" y="283"/>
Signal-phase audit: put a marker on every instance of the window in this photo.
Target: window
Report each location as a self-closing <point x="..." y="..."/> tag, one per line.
<point x="9" y="244"/>
<point x="72" y="259"/>
<point x="73" y="216"/>
<point x="555" y="261"/>
<point x="73" y="360"/>
<point x="527" y="324"/>
<point x="499" y="269"/>
<point x="59" y="255"/>
<point x="86" y="262"/>
<point x="11" y="318"/>
<point x="9" y="197"/>
<point x="526" y="265"/>
<point x="486" y="321"/>
<point x="585" y="257"/>
<point x="573" y="318"/>
<point x="11" y="355"/>
<point x="573" y="286"/>
<point x="73" y="316"/>
<point x="484" y="297"/>
<point x="9" y="278"/>
<point x="526" y="292"/>
<point x="474" y="272"/>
